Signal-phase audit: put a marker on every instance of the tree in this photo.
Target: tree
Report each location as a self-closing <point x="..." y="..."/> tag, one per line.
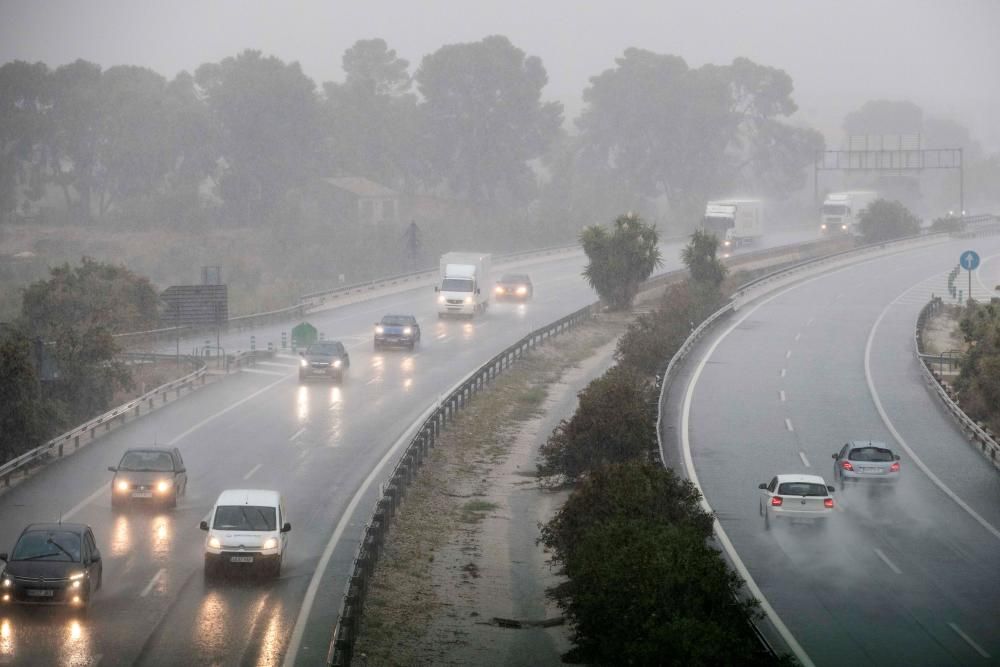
<point x="484" y="119"/>
<point x="978" y="382"/>
<point x="267" y="117"/>
<point x="24" y="420"/>
<point x="885" y="117"/>
<point x="24" y="128"/>
<point x="372" y="118"/>
<point x="885" y="220"/>
<point x="699" y="255"/>
<point x="620" y="260"/>
<point x="612" y="424"/>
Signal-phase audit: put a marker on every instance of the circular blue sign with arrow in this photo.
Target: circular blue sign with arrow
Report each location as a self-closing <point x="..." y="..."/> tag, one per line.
<point x="969" y="260"/>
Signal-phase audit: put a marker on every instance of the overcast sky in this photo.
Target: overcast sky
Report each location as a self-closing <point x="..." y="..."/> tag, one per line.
<point x="942" y="54"/>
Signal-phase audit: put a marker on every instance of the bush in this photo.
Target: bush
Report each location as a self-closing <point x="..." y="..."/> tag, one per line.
<point x="613" y="423"/>
<point x="885" y="220"/>
<point x="978" y="382"/>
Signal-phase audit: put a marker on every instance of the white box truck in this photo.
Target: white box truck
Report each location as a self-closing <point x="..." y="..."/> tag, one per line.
<point x="841" y="211"/>
<point x="736" y="222"/>
<point x="464" y="287"/>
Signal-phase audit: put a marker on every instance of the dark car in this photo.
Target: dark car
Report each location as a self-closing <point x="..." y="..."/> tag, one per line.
<point x="514" y="287"/>
<point x="326" y="359"/>
<point x="151" y="475"/>
<point x="401" y="330"/>
<point x="52" y="563"/>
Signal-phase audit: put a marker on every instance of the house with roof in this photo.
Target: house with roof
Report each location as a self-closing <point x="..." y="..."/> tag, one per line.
<point x="364" y="201"/>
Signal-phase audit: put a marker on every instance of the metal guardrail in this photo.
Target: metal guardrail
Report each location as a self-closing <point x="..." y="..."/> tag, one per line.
<point x="404" y="472"/>
<point x="987" y="442"/>
<point x="56" y="446"/>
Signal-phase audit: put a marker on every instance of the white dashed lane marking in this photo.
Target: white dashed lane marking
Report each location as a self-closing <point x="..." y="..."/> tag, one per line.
<point x="885" y="559"/>
<point x="252" y="471"/>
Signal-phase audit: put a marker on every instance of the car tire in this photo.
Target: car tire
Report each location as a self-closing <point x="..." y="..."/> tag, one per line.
<point x="767" y="520"/>
<point x="172" y="503"/>
<point x="275" y="572"/>
<point x="211" y="570"/>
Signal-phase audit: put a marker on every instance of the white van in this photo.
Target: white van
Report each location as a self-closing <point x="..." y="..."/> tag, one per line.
<point x="247" y="530"/>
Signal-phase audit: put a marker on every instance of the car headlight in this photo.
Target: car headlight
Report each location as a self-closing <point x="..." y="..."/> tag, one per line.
<point x="499" y="289"/>
<point x="77" y="576"/>
<point x="844" y="227"/>
<point x="823" y="226"/>
<point x="727" y="243"/>
<point x="379" y="329"/>
<point x="468" y="299"/>
<point x="304" y="363"/>
<point x="522" y="290"/>
<point x="270" y="543"/>
<point x="7" y="583"/>
<point x="441" y="299"/>
<point x="337" y="363"/>
<point x="407" y="331"/>
<point x="123" y="485"/>
<point x="214" y="543"/>
<point x="163" y="486"/>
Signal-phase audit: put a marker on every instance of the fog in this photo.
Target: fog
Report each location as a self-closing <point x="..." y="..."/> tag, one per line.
<point x="943" y="56"/>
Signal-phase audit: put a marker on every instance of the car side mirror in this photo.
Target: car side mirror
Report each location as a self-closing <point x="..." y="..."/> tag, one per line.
<point x="287" y="528"/>
<point x="96" y="557"/>
<point x="477" y="290"/>
<point x="302" y="354"/>
<point x="203" y="525"/>
<point x="829" y="488"/>
<point x="896" y="457"/>
<point x="835" y="456"/>
<point x="112" y="469"/>
<point x="437" y="289"/>
<point x="762" y="486"/>
<point x="3" y="556"/>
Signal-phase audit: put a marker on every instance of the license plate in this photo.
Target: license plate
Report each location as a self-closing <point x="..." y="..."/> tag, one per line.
<point x="872" y="470"/>
<point x="142" y="494"/>
<point x="40" y="592"/>
<point x="241" y="559"/>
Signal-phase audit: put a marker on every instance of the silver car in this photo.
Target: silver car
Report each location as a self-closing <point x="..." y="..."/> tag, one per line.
<point x="791" y="497"/>
<point x="865" y="460"/>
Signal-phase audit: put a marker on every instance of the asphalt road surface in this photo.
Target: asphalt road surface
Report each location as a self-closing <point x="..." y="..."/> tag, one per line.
<point x="907" y="576"/>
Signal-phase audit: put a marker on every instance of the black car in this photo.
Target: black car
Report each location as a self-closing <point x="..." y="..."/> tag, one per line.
<point x="151" y="475"/>
<point x="52" y="564"/>
<point x="401" y="330"/>
<point x="326" y="359"/>
<point x="514" y="287"/>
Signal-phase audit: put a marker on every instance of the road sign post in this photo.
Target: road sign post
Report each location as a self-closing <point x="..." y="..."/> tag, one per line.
<point x="970" y="262"/>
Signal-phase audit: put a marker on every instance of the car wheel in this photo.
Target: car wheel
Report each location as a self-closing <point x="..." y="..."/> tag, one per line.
<point x="412" y="345"/>
<point x="767" y="520"/>
<point x="172" y="503"/>
<point x="276" y="569"/>
<point x="760" y="509"/>
<point x="211" y="569"/>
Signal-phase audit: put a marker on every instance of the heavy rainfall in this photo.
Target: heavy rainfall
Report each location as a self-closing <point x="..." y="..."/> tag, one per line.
<point x="499" y="333"/>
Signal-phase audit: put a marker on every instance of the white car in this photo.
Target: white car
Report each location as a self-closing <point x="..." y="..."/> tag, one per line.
<point x="247" y="530"/>
<point x="804" y="497"/>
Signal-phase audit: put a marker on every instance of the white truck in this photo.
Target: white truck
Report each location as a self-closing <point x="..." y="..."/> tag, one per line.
<point x="841" y="211"/>
<point x="465" y="284"/>
<point x="736" y="222"/>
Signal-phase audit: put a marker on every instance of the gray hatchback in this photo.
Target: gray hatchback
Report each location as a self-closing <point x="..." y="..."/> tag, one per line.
<point x="867" y="460"/>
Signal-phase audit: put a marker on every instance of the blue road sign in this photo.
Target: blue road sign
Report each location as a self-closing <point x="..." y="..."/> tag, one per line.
<point x="969" y="260"/>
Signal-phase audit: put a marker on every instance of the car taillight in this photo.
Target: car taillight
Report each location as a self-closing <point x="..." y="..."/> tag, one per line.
<point x="846" y="465"/>
<point x="776" y="501"/>
<point x="894" y="467"/>
<point x="828" y="502"/>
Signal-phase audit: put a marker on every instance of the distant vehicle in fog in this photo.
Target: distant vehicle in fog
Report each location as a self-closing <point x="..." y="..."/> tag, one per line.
<point x="514" y="287"/>
<point x="463" y="287"/>
<point x="842" y="210"/>
<point x="325" y="359"/>
<point x="52" y="564"/>
<point x="795" y="497"/>
<point x="736" y="222"/>
<point x="153" y="475"/>
<point x="865" y="461"/>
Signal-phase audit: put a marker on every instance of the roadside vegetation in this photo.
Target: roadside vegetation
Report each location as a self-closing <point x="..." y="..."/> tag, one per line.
<point x="885" y="220"/>
<point x="58" y="359"/>
<point x="644" y="584"/>
<point x="978" y="383"/>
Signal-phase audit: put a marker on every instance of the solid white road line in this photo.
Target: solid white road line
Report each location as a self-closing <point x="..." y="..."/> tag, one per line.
<point x="805" y="461"/>
<point x="86" y="501"/>
<point x="898" y="436"/>
<point x="252" y="471"/>
<point x="885" y="559"/>
<point x="152" y="582"/>
<point x="260" y="371"/>
<point x="307" y="602"/>
<point x="968" y="640"/>
<point x="297" y="434"/>
<point x="788" y="424"/>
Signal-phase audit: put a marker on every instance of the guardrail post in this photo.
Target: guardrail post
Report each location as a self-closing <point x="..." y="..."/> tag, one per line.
<point x="284" y="340"/>
<point x="60" y="450"/>
<point x="76" y="442"/>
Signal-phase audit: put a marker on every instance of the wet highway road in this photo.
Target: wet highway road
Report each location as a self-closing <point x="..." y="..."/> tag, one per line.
<point x="320" y="444"/>
<point x="910" y="576"/>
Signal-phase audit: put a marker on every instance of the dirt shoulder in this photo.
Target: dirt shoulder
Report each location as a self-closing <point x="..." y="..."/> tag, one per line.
<point x="462" y="579"/>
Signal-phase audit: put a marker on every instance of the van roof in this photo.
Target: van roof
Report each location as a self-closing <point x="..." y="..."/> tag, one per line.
<point x="260" y="497"/>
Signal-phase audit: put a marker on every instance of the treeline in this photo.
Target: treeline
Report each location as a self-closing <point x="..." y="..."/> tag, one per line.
<point x="58" y="363"/>
<point x="978" y="383"/>
<point x="644" y="585"/>
<point x="235" y="141"/>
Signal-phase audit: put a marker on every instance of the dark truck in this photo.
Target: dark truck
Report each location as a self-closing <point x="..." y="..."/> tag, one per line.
<point x="401" y="330"/>
<point x="325" y="359"/>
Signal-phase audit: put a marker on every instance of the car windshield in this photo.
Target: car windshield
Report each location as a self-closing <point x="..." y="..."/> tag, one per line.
<point x="835" y="209"/>
<point x="456" y="285"/>
<point x="397" y="320"/>
<point x="326" y="350"/>
<point x="801" y="489"/>
<point x="244" y="517"/>
<point x="510" y="278"/>
<point x="870" y="454"/>
<point x="147" y="462"/>
<point x="48" y="545"/>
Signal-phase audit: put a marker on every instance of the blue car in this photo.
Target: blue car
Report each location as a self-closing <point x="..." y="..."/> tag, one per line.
<point x="397" y="330"/>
